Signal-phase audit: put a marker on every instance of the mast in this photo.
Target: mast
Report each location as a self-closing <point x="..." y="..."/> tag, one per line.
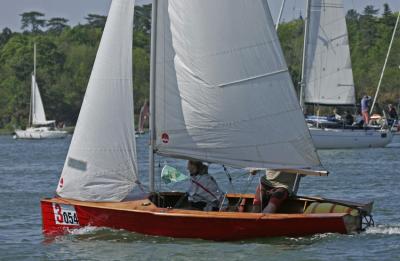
<point x="303" y="74"/>
<point x="34" y="60"/>
<point x="32" y="86"/>
<point x="152" y="93"/>
<point x="384" y="65"/>
<point x="303" y="68"/>
<point x="280" y="15"/>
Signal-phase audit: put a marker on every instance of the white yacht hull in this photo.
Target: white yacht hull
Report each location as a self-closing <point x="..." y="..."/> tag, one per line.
<point x="40" y="133"/>
<point x="349" y="139"/>
<point x="395" y="141"/>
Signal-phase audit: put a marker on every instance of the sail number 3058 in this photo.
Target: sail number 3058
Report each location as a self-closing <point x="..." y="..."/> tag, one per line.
<point x="65" y="215"/>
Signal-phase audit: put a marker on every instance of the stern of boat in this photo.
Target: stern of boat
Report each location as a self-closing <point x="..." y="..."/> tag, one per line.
<point x="358" y="215"/>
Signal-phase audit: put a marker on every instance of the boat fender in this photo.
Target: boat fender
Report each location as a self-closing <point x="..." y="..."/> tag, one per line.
<point x="323" y="207"/>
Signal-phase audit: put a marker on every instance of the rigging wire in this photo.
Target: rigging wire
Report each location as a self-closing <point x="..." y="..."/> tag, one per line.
<point x="278" y="20"/>
<point x="384" y="65"/>
<point x="229" y="177"/>
<point x="247" y="184"/>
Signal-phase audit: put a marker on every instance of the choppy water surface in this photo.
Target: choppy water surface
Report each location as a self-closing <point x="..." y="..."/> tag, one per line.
<point x="29" y="170"/>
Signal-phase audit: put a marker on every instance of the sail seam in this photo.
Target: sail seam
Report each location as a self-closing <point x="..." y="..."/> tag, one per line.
<point x="228" y="123"/>
<point x="252" y="78"/>
<point x="299" y="138"/>
<point x="238" y="49"/>
<point x="187" y="155"/>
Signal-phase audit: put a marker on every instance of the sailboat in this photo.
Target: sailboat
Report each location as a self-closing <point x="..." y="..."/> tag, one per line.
<point x="327" y="78"/>
<point x="143" y="117"/>
<point x="210" y="69"/>
<point x="38" y="127"/>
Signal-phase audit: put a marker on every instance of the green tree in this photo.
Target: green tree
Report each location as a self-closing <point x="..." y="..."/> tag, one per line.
<point x="57" y="24"/>
<point x="32" y="20"/>
<point x="388" y="18"/>
<point x="352" y="15"/>
<point x="368" y="26"/>
<point x="5" y="35"/>
<point x="370" y="11"/>
<point x="143" y="18"/>
<point x="291" y="37"/>
<point x="386" y="10"/>
<point x="95" y="20"/>
<point x="65" y="61"/>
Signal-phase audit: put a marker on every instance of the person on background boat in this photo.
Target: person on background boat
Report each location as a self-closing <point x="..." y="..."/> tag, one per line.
<point x="143" y="116"/>
<point x="336" y="115"/>
<point x="365" y="108"/>
<point x="204" y="192"/>
<point x="349" y="119"/>
<point x="359" y="121"/>
<point x="274" y="188"/>
<point x="392" y="112"/>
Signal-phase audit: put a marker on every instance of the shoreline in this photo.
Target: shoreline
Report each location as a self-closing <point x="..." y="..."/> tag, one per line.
<point x="5" y="132"/>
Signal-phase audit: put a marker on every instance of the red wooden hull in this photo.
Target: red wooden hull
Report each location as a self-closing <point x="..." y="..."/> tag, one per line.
<point x="141" y="217"/>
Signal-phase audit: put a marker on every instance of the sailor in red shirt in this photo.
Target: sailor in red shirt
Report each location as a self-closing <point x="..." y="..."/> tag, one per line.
<point x="274" y="188"/>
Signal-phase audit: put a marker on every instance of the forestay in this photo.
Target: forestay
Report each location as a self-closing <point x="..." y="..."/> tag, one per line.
<point x="101" y="162"/>
<point x="223" y="92"/>
<point x="328" y="74"/>
<point x="37" y="109"/>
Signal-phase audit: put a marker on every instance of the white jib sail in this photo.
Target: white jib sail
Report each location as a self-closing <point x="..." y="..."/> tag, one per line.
<point x="328" y="73"/>
<point x="38" y="115"/>
<point x="223" y="90"/>
<point x="101" y="162"/>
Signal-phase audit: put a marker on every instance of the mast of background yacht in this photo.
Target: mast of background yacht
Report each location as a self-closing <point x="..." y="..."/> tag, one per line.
<point x="278" y="20"/>
<point x="384" y="65"/>
<point x="303" y="67"/>
<point x="32" y="87"/>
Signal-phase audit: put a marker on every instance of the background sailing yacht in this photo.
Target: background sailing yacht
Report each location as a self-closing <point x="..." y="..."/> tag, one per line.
<point x="38" y="126"/>
<point x="327" y="78"/>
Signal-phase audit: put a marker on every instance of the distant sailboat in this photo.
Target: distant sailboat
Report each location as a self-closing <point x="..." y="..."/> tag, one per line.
<point x="38" y="127"/>
<point x="143" y="117"/>
<point x="207" y="87"/>
<point x="327" y="77"/>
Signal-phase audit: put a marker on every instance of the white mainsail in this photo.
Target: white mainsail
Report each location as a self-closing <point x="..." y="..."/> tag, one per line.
<point x="101" y="162"/>
<point x="223" y="91"/>
<point x="328" y="74"/>
<point x="37" y="109"/>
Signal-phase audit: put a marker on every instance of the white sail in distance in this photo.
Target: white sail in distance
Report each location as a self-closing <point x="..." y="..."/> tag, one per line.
<point x="37" y="109"/>
<point x="101" y="162"/>
<point x="223" y="91"/>
<point x="328" y="73"/>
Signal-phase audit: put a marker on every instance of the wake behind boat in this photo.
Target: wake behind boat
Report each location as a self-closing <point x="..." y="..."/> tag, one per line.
<point x="38" y="127"/>
<point x="201" y="108"/>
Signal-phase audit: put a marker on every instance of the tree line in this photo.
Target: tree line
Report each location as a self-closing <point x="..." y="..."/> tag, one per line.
<point x="65" y="56"/>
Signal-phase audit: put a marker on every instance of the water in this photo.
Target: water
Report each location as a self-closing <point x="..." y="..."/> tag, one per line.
<point x="29" y="170"/>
